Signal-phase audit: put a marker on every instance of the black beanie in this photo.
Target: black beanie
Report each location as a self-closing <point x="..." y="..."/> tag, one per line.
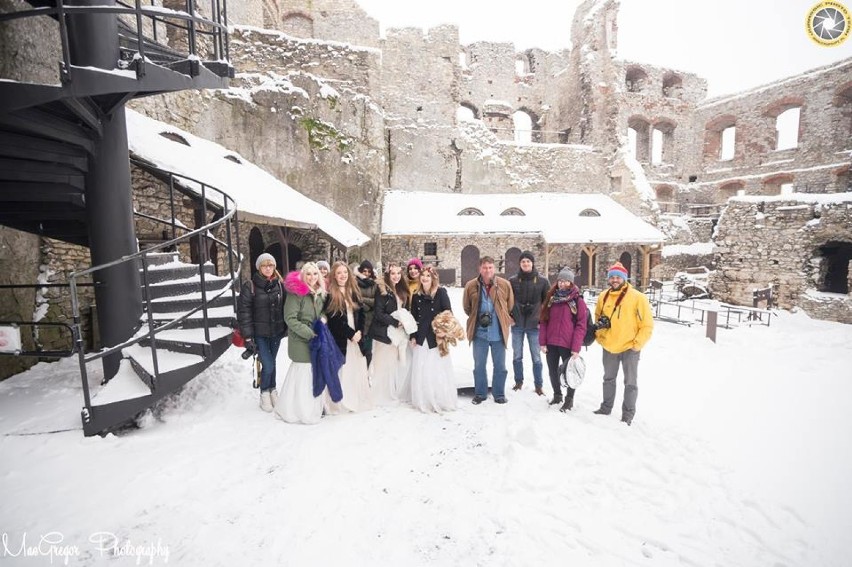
<point x="366" y="265"/>
<point x="528" y="255"/>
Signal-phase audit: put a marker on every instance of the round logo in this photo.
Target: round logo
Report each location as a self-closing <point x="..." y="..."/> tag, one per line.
<point x="828" y="23"/>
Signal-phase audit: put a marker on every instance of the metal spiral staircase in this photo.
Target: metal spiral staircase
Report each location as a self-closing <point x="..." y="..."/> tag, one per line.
<point x="65" y="174"/>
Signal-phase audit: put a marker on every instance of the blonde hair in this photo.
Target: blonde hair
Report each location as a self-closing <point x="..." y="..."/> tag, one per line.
<point x="310" y="267"/>
<point x="339" y="299"/>
<point x="436" y="281"/>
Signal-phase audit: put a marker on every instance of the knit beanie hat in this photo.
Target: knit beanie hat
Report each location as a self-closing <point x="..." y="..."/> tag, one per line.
<point x="565" y="275"/>
<point x="366" y="265"/>
<point x="617" y="270"/>
<point x="263" y="259"/>
<point x="528" y="255"/>
<point x="416" y="262"/>
<point x="323" y="264"/>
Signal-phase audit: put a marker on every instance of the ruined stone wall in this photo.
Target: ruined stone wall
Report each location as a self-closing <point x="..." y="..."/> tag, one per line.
<point x="337" y="20"/>
<point x="30" y="50"/>
<point x="817" y="165"/>
<point x="776" y="241"/>
<point x="19" y="265"/>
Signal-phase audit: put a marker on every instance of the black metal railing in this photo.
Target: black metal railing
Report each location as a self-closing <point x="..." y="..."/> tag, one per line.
<point x="194" y="26"/>
<point x="222" y="202"/>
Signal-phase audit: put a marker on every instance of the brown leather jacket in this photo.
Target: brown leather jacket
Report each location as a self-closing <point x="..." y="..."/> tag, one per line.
<point x="504" y="302"/>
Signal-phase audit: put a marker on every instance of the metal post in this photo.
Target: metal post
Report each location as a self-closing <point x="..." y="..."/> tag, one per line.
<point x="230" y="256"/>
<point x="152" y="338"/>
<point x="711" y="325"/>
<point x="190" y="8"/>
<point x="93" y="40"/>
<point x="172" y="205"/>
<point x="202" y="260"/>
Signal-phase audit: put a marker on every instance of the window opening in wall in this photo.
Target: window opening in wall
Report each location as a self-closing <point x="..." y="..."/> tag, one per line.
<point x="471" y="212"/>
<point x="589" y="213"/>
<point x="174" y="137"/>
<point x="656" y="147"/>
<point x="639" y="142"/>
<point x="520" y="67"/>
<point x="232" y="158"/>
<point x="693" y="178"/>
<point x="843" y="101"/>
<point x="787" y="129"/>
<point x="631" y="142"/>
<point x="430" y="248"/>
<point x="462" y="59"/>
<point x="786" y="189"/>
<point x="635" y="79"/>
<point x="464" y="114"/>
<point x="672" y="85"/>
<point x="523" y="127"/>
<point x="834" y="267"/>
<point x="513" y="212"/>
<point x="729" y="138"/>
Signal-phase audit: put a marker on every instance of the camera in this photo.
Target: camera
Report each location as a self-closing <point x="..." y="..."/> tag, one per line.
<point x="484" y="320"/>
<point x="603" y="323"/>
<point x="248" y="353"/>
<point x="527" y="308"/>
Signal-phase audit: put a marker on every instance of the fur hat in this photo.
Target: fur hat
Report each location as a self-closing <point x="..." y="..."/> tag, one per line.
<point x="617" y="270"/>
<point x="565" y="275"/>
<point x="323" y="264"/>
<point x="528" y="255"/>
<point x="416" y="262"/>
<point x="263" y="259"/>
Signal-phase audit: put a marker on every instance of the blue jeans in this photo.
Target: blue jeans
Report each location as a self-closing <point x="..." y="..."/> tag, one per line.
<point x="267" y="350"/>
<point x="480" y="376"/>
<point x="518" y="354"/>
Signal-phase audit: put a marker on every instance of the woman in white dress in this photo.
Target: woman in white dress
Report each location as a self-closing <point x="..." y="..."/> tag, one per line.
<point x="433" y="384"/>
<point x="305" y="299"/>
<point x="346" y="324"/>
<point x="390" y="341"/>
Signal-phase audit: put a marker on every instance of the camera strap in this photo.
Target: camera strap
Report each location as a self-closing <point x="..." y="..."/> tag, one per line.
<point x="617" y="301"/>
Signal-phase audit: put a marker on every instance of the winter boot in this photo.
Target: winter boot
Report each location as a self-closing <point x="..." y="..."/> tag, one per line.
<point x="557" y="399"/>
<point x="518" y="386"/>
<point x="568" y="405"/>
<point x="539" y="391"/>
<point x="266" y="401"/>
<point x="603" y="411"/>
<point x="273" y="397"/>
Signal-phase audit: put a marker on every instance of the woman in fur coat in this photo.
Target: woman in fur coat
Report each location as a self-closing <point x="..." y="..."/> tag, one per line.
<point x="389" y="338"/>
<point x="305" y="299"/>
<point x="433" y="383"/>
<point x="346" y="324"/>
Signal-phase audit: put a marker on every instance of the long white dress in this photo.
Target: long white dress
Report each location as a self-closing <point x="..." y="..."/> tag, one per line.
<point x="354" y="380"/>
<point x="389" y="362"/>
<point x="297" y="403"/>
<point x="433" y="383"/>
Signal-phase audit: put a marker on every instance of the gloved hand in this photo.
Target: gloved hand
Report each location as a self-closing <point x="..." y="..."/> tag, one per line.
<point x="251" y="348"/>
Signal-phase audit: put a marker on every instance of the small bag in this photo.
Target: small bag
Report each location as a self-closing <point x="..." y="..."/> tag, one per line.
<point x="237" y="339"/>
<point x="256" y="367"/>
<point x="572" y="372"/>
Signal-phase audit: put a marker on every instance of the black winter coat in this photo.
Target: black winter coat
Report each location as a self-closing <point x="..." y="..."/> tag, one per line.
<point x="530" y="289"/>
<point x="424" y="308"/>
<point x="385" y="305"/>
<point x="261" y="309"/>
<point x="340" y="329"/>
<point x="368" y="288"/>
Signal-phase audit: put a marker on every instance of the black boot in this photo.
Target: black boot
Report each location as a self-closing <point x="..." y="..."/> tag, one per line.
<point x="557" y="399"/>
<point x="569" y="401"/>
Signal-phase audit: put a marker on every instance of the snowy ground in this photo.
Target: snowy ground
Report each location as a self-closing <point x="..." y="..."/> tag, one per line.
<point x="738" y="456"/>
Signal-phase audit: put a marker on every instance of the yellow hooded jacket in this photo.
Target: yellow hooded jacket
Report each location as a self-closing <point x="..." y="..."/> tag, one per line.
<point x="632" y="321"/>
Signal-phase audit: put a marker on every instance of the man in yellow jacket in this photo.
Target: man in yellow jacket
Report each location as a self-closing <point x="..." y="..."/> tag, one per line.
<point x="625" y="323"/>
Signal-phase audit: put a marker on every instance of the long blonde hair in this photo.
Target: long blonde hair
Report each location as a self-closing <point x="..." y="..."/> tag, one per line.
<point x="310" y="267"/>
<point x="340" y="299"/>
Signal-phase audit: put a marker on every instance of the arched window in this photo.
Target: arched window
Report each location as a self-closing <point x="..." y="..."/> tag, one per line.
<point x="787" y="115"/>
<point x="589" y="213"/>
<point x="471" y="212"/>
<point x="523" y="123"/>
<point x="233" y="158"/>
<point x="174" y="138"/>
<point x="778" y="185"/>
<point x="728" y="190"/>
<point x="662" y="142"/>
<point x="672" y="85"/>
<point x="297" y="24"/>
<point x="720" y="138"/>
<point x="513" y="212"/>
<point x="635" y="79"/>
<point x="465" y="114"/>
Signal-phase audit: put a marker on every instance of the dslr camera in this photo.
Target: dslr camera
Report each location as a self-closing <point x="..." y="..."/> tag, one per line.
<point x="603" y="322"/>
<point x="250" y="350"/>
<point x="527" y="308"/>
<point x="484" y="320"/>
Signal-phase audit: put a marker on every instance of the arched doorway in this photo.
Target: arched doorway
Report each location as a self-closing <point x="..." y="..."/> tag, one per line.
<point x="512" y="261"/>
<point x="469" y="263"/>
<point x="627" y="261"/>
<point x="256" y="247"/>
<point x="587" y="268"/>
<point x="294" y="254"/>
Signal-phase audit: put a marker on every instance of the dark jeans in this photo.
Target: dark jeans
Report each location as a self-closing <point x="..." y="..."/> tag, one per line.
<point x="555" y="356"/>
<point x="267" y="350"/>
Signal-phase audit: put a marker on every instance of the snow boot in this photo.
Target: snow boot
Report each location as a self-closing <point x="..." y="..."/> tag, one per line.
<point x="539" y="391"/>
<point x="603" y="411"/>
<point x="518" y="386"/>
<point x="273" y="397"/>
<point x="266" y="401"/>
<point x="557" y="399"/>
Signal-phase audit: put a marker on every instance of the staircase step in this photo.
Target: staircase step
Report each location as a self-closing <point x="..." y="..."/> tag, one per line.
<point x="125" y="385"/>
<point x="216" y="316"/>
<point x="183" y="287"/>
<point x="188" y="302"/>
<point x="161" y="258"/>
<point x="188" y="341"/>
<point x="174" y="271"/>
<point x="167" y="361"/>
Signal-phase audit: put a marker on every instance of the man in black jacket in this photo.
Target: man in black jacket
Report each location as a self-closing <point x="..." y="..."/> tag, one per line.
<point x="530" y="289"/>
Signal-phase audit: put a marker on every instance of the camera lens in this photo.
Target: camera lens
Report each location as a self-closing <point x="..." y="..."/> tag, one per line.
<point x="247" y="354"/>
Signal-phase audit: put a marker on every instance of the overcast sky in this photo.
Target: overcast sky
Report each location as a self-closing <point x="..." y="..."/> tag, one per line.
<point x="734" y="44"/>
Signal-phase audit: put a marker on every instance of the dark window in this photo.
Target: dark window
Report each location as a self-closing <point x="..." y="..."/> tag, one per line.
<point x="430" y="249"/>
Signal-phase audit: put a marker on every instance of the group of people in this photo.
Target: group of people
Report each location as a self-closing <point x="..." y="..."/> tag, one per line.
<point x="383" y="328"/>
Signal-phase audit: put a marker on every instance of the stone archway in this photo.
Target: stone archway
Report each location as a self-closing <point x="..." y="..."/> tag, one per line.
<point x="469" y="263"/>
<point x="587" y="268"/>
<point x="512" y="261"/>
<point x="294" y="254"/>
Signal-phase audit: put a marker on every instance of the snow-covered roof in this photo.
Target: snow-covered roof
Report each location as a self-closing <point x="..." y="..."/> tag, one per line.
<point x="556" y="216"/>
<point x="260" y="196"/>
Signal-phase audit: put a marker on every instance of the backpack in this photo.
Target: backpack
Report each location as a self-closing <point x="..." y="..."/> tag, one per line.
<point x="589" y="338"/>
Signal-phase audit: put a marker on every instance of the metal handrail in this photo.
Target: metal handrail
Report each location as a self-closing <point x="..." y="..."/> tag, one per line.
<point x="229" y="208"/>
<point x="218" y="26"/>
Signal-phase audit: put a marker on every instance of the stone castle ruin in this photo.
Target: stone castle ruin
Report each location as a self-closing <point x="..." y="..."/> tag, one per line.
<point x="327" y="106"/>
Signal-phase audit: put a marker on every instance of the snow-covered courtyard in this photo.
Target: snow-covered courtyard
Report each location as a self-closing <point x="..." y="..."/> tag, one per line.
<point x="737" y="456"/>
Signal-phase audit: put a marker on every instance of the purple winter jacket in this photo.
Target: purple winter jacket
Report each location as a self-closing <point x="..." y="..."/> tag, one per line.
<point x="560" y="330"/>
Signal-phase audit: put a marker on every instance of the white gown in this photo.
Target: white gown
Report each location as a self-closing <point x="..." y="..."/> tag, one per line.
<point x="433" y="384"/>
<point x="386" y="367"/>
<point x="297" y="403"/>
<point x="354" y="380"/>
